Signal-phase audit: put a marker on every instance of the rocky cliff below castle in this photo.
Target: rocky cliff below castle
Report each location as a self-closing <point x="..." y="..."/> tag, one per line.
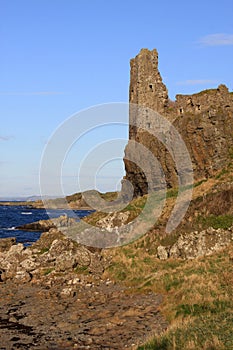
<point x="203" y="120"/>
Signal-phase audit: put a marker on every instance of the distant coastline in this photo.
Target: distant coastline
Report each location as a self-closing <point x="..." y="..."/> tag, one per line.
<point x="40" y="205"/>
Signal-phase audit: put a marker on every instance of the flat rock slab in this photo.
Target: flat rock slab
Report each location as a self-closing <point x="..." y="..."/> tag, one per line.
<point x="94" y="316"/>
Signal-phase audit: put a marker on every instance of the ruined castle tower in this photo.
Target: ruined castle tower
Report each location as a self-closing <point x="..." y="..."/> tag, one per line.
<point x="204" y="121"/>
<point x="148" y="91"/>
<point x="146" y="86"/>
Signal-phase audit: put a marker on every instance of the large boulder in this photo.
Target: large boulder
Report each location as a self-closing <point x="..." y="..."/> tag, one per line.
<point x="6" y="243"/>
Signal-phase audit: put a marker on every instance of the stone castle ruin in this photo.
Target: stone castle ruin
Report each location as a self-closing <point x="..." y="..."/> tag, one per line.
<point x="204" y="121"/>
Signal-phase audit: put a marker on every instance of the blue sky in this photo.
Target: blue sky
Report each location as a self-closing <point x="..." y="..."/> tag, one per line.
<point x="59" y="57"/>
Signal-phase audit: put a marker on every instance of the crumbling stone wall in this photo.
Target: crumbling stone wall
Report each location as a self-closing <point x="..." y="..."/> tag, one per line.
<point x="207" y="101"/>
<point x="146" y="86"/>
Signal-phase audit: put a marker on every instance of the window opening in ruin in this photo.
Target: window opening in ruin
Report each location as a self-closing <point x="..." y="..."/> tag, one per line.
<point x="190" y="102"/>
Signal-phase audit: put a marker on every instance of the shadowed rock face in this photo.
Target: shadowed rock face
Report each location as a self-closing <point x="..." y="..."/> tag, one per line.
<point x="203" y="119"/>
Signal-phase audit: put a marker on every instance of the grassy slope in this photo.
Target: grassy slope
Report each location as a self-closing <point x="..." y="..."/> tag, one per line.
<point x="197" y="293"/>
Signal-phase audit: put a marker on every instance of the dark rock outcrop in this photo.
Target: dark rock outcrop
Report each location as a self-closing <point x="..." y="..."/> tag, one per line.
<point x="45" y="225"/>
<point x="6" y="243"/>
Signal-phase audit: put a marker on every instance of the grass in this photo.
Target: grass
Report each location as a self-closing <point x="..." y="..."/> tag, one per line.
<point x="139" y="204"/>
<point x="171" y="193"/>
<point x="169" y="239"/>
<point x="221" y="173"/>
<point x="135" y="208"/>
<point x="198" y="183"/>
<point x="207" y="333"/>
<point x="221" y="221"/>
<point x="48" y="271"/>
<point x="81" y="270"/>
<point x="197" y="309"/>
<point x="43" y="250"/>
<point x="197" y="296"/>
<point x="231" y="152"/>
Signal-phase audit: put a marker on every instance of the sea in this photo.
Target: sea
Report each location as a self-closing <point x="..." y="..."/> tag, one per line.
<point x="17" y="215"/>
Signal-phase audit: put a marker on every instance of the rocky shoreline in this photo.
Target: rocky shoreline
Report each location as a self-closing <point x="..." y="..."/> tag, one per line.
<point x="40" y="205"/>
<point x="46" y="225"/>
<point x="54" y="295"/>
<point x="96" y="315"/>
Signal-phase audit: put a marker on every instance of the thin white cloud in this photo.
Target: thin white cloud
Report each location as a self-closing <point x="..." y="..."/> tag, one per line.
<point x="34" y="93"/>
<point x="196" y="82"/>
<point x="5" y="138"/>
<point x="218" y="39"/>
<point x="86" y="176"/>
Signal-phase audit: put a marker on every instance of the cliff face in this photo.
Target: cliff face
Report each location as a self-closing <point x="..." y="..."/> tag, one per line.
<point x="204" y="121"/>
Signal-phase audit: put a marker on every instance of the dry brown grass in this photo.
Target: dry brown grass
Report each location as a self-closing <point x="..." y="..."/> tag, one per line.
<point x="197" y="294"/>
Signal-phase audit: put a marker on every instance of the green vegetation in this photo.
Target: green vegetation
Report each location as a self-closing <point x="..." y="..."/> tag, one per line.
<point x="221" y="173"/>
<point x="48" y="271"/>
<point x="81" y="270"/>
<point x="74" y="197"/>
<point x="171" y="193"/>
<point x="199" y="183"/>
<point x="43" y="250"/>
<point x="207" y="91"/>
<point x="221" y="221"/>
<point x="136" y="204"/>
<point x="231" y="152"/>
<point x="108" y="196"/>
<point x="197" y="296"/>
<point x="168" y="239"/>
<point x="208" y="333"/>
<point x="171" y="109"/>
